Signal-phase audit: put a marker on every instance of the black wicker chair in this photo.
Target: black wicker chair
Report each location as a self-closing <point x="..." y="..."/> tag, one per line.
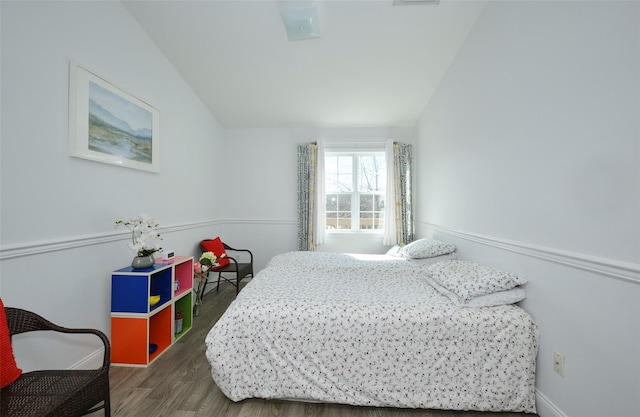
<point x="240" y="269"/>
<point x="50" y="393"/>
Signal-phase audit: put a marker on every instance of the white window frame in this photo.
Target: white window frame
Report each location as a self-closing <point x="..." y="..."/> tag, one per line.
<point x="355" y="193"/>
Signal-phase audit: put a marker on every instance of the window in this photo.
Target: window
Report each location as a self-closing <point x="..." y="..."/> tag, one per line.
<point x="355" y="184"/>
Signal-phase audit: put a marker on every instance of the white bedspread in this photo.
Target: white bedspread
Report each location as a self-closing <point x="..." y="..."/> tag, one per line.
<point x="369" y="330"/>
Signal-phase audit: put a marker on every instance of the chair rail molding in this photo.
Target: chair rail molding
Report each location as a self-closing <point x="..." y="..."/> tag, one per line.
<point x="608" y="267"/>
<point x="274" y="222"/>
<point x="54" y="245"/>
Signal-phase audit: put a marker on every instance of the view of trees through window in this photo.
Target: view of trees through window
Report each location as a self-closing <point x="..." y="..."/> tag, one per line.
<point x="355" y="185"/>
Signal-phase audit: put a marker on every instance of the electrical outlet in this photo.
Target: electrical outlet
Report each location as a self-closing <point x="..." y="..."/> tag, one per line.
<point x="558" y="363"/>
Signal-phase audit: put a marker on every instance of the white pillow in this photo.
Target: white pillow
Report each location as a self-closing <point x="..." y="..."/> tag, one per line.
<point x="395" y="250"/>
<point x="511" y="296"/>
<point x="433" y="259"/>
<point x="426" y="248"/>
<point x="468" y="280"/>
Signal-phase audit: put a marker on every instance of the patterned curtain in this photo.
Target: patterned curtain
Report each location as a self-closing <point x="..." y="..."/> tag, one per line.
<point x="320" y="212"/>
<point x="402" y="154"/>
<point x="307" y="162"/>
<point x="398" y="225"/>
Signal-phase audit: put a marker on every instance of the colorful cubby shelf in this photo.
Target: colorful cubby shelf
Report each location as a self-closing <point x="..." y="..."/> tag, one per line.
<point x="141" y="332"/>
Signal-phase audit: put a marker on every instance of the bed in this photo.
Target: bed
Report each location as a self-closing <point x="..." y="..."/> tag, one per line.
<point x="371" y="330"/>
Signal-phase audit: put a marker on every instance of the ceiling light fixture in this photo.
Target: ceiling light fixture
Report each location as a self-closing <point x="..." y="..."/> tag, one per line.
<point x="301" y="23"/>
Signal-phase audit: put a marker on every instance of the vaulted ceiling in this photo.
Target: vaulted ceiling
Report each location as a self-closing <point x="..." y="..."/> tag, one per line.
<point x="375" y="64"/>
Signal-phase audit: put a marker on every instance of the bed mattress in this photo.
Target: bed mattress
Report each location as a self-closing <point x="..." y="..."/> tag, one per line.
<point x="369" y="330"/>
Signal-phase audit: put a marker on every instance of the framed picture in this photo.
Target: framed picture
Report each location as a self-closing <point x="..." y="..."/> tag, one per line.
<point x="108" y="125"/>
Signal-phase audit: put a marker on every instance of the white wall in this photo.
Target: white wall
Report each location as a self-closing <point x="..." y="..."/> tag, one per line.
<point x="528" y="159"/>
<point x="58" y="239"/>
<point x="263" y="163"/>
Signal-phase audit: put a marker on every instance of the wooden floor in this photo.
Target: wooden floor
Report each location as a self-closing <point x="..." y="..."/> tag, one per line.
<point x="179" y="384"/>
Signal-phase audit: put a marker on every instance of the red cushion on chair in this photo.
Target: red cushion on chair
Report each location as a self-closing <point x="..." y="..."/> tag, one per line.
<point x="9" y="370"/>
<point x="216" y="246"/>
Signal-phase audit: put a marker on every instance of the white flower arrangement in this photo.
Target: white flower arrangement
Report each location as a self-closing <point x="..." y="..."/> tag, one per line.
<point x="144" y="234"/>
<point x="207" y="262"/>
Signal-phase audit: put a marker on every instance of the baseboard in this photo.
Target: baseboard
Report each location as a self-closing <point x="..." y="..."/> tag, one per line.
<point x="545" y="408"/>
<point x="93" y="361"/>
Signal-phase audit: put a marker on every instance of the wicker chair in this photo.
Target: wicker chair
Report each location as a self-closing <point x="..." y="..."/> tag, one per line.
<point x="52" y="393"/>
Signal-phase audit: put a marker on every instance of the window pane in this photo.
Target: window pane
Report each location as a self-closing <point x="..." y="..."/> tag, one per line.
<point x="371" y="211"/>
<point x="344" y="202"/>
<point x="379" y="211"/>
<point x="372" y="175"/>
<point x="338" y="173"/>
<point x="344" y="182"/>
<point x="331" y="163"/>
<point x="331" y="173"/>
<point x="332" y="203"/>
<point x="366" y="202"/>
<point x="366" y="214"/>
<point x="338" y="212"/>
<point x="345" y="164"/>
<point x="332" y="220"/>
<point x="344" y="220"/>
<point x="379" y="221"/>
<point x="345" y="173"/>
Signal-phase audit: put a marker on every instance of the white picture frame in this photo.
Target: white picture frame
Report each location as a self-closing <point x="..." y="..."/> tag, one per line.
<point x="106" y="124"/>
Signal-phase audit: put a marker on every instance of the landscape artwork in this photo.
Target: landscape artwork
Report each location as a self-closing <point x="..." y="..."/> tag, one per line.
<point x="118" y="126"/>
<point x="108" y="125"/>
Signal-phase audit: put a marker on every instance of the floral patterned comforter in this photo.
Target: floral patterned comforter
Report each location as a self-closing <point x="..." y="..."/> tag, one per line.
<point x="370" y="330"/>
